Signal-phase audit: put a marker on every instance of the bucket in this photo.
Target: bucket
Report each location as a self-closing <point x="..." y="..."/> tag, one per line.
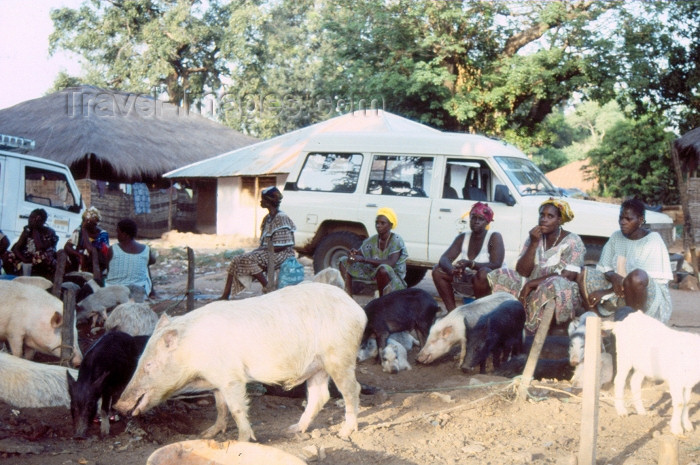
<point x="210" y="452"/>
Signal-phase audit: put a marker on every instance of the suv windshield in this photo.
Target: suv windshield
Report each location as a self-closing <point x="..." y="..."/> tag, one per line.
<point x="526" y="177"/>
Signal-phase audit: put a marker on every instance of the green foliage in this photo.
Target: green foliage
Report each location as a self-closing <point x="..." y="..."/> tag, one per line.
<point x="634" y="160"/>
<point x="146" y="46"/>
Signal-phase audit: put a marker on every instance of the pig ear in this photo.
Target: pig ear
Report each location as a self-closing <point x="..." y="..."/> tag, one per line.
<point x="163" y="321"/>
<point x="170" y="338"/>
<point x="56" y="320"/>
<point x="70" y="379"/>
<point x="446" y="332"/>
<point x="98" y="382"/>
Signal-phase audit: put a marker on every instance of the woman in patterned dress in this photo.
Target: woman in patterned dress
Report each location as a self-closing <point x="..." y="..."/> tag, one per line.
<point x="547" y="269"/>
<point x="276" y="227"/>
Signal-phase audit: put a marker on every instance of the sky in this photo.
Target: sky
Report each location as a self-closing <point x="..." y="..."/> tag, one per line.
<point x="26" y="70"/>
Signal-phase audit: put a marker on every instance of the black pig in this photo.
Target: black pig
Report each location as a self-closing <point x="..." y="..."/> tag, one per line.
<point x="402" y="310"/>
<point x="106" y="369"/>
<point x="498" y="333"/>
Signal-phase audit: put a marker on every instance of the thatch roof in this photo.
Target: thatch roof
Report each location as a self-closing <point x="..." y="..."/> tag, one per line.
<point x="277" y="155"/>
<point x="688" y="147"/>
<point x="126" y="137"/>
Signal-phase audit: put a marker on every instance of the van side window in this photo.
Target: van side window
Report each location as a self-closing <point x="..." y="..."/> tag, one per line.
<point x="467" y="180"/>
<point x="330" y="172"/>
<point x="400" y="175"/>
<point x="48" y="188"/>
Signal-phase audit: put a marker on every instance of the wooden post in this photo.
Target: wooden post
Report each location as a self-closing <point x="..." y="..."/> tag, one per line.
<point x="190" y="279"/>
<point x="170" y="207"/>
<point x="67" y="330"/>
<point x="270" y="266"/>
<point x="96" y="271"/>
<point x="60" y="271"/>
<point x="688" y="239"/>
<point x="535" y="350"/>
<point x="591" y="387"/>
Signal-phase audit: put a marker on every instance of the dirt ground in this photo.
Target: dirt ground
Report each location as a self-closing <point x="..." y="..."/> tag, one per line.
<point x="431" y="414"/>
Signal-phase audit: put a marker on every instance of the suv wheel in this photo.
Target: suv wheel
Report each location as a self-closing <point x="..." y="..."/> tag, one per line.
<point x="333" y="247"/>
<point x="414" y="275"/>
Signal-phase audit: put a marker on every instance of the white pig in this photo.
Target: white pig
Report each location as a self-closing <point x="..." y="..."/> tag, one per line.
<point x="27" y="384"/>
<point x="31" y="320"/>
<point x="451" y="329"/>
<point x="299" y="333"/>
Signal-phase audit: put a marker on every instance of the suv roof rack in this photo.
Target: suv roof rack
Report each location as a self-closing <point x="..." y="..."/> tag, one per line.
<point x="14" y="143"/>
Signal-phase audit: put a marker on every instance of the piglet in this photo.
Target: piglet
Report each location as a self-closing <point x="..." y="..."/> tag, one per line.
<point x="402" y="310"/>
<point x="498" y="333"/>
<point x="394" y="357"/>
<point x="106" y="369"/>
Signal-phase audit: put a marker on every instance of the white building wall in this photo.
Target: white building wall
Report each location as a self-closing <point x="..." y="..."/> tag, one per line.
<point x="237" y="211"/>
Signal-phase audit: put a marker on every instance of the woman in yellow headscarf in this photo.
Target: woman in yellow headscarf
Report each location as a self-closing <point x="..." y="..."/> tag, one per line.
<point x="547" y="268"/>
<point x="381" y="258"/>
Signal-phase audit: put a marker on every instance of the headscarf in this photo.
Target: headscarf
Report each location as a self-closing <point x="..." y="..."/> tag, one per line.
<point x="564" y="209"/>
<point x="390" y="215"/>
<point x="92" y="213"/>
<point x="273" y="195"/>
<point x="482" y="209"/>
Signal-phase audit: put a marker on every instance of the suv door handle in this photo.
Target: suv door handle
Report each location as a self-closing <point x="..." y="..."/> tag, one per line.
<point x="371" y="205"/>
<point x="447" y="210"/>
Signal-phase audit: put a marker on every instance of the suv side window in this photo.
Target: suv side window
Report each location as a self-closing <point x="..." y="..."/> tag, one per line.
<point x="49" y="188"/>
<point x="468" y="180"/>
<point x="407" y="176"/>
<point x="330" y="172"/>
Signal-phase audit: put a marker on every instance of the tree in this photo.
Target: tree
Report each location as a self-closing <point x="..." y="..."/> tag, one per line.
<point x="147" y="46"/>
<point x="634" y="161"/>
<point x="662" y="55"/>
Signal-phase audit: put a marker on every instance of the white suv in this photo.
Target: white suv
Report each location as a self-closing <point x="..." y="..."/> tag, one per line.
<point x="340" y="179"/>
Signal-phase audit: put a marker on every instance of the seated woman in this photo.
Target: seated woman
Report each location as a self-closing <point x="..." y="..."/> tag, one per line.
<point x="85" y="241"/>
<point x="129" y="259"/>
<point x="479" y="251"/>
<point x="381" y="258"/>
<point x="634" y="268"/>
<point x="36" y="247"/>
<point x="546" y="271"/>
<point x="276" y="227"/>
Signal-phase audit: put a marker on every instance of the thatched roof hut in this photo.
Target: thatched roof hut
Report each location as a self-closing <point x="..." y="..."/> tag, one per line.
<point x="688" y="148"/>
<point x="117" y="136"/>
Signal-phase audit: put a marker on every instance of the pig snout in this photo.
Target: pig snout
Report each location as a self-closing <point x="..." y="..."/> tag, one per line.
<point x="132" y="404"/>
<point x="424" y="356"/>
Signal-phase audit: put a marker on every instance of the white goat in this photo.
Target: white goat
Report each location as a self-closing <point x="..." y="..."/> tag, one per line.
<point x="654" y="350"/>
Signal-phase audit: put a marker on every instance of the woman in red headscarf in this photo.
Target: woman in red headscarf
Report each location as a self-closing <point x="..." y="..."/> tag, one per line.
<point x="477" y="252"/>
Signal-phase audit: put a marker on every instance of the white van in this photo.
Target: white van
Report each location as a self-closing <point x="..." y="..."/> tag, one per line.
<point x="28" y="183"/>
<point x="431" y="181"/>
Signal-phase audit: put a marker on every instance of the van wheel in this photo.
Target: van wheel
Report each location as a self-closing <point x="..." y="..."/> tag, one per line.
<point x="414" y="275"/>
<point x="333" y="247"/>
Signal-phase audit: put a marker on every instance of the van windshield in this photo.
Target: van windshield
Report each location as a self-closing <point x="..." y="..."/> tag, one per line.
<point x="526" y="176"/>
